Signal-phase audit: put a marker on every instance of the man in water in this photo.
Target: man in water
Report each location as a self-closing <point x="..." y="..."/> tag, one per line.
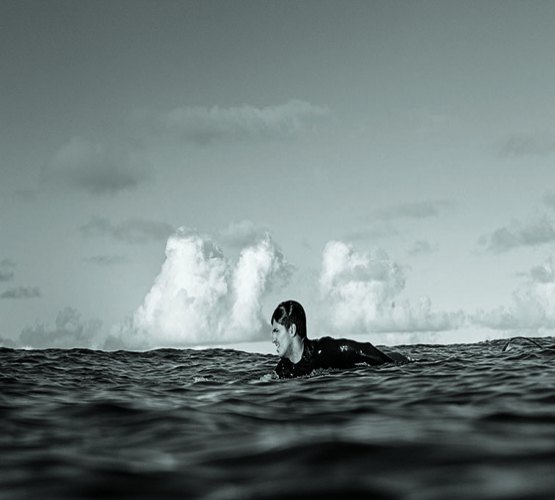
<point x="300" y="355"/>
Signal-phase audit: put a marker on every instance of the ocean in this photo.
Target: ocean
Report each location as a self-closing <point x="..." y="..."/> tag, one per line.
<point x="467" y="421"/>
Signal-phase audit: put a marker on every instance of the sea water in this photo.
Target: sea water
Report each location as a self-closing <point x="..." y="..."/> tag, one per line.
<point x="463" y="421"/>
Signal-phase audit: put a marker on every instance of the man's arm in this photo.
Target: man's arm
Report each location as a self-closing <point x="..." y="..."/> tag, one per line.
<point x="344" y="353"/>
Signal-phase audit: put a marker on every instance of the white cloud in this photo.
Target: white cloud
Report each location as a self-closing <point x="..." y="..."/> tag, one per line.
<point x="533" y="306"/>
<point x="535" y="232"/>
<point x="202" y="297"/>
<point x="133" y="230"/>
<point x="202" y="125"/>
<point x="360" y="292"/>
<point x="94" y="167"/>
<point x="68" y="331"/>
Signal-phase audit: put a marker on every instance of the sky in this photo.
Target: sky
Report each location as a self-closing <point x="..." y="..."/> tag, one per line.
<point x="171" y="170"/>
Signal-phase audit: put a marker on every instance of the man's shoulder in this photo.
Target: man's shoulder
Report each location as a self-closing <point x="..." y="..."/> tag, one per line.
<point x="324" y="342"/>
<point x="323" y="347"/>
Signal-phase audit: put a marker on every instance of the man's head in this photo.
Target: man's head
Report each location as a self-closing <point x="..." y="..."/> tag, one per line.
<point x="290" y="313"/>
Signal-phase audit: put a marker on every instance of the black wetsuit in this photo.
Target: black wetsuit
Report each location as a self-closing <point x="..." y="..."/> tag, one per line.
<point x="328" y="352"/>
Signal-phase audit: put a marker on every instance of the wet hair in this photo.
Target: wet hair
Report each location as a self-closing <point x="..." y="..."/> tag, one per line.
<point x="289" y="312"/>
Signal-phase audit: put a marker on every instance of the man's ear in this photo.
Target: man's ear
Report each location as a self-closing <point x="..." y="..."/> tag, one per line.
<point x="293" y="329"/>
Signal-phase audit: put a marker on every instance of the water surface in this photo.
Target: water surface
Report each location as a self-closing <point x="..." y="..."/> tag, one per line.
<point x="463" y="421"/>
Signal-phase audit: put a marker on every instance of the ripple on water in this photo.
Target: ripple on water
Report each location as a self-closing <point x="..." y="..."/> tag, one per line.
<point x="463" y="421"/>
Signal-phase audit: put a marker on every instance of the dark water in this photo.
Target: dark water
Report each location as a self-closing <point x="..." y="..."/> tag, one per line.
<point x="464" y="421"/>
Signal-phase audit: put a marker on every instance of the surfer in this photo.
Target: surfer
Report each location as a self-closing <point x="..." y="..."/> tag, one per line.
<point x="300" y="355"/>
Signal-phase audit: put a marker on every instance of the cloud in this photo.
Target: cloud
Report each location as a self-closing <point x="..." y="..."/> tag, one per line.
<point x="416" y="210"/>
<point x="422" y="247"/>
<point x="106" y="260"/>
<point x="202" y="125"/>
<point x="8" y="343"/>
<point x="21" y="292"/>
<point x="94" y="167"/>
<point x="543" y="273"/>
<point x="7" y="267"/>
<point x="522" y="145"/>
<point x="532" y="233"/>
<point x="68" y="331"/>
<point x="533" y="306"/>
<point x="242" y="234"/>
<point x="133" y="230"/>
<point x="359" y="293"/>
<point x="202" y="297"/>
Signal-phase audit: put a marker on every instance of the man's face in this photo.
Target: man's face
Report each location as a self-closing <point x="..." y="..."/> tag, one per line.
<point x="282" y="338"/>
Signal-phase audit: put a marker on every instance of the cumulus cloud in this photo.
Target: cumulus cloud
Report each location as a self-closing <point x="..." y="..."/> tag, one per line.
<point x="360" y="293"/>
<point x="518" y="234"/>
<point x="94" y="167"/>
<point x="533" y="307"/>
<point x="133" y="230"/>
<point x="7" y="267"/>
<point x="106" y="260"/>
<point x="202" y="297"/>
<point x="521" y="145"/>
<point x="203" y="125"/>
<point x="21" y="292"/>
<point x="69" y="330"/>
<point x="416" y="210"/>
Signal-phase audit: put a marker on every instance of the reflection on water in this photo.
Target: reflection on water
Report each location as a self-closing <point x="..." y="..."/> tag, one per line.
<point x="464" y="421"/>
